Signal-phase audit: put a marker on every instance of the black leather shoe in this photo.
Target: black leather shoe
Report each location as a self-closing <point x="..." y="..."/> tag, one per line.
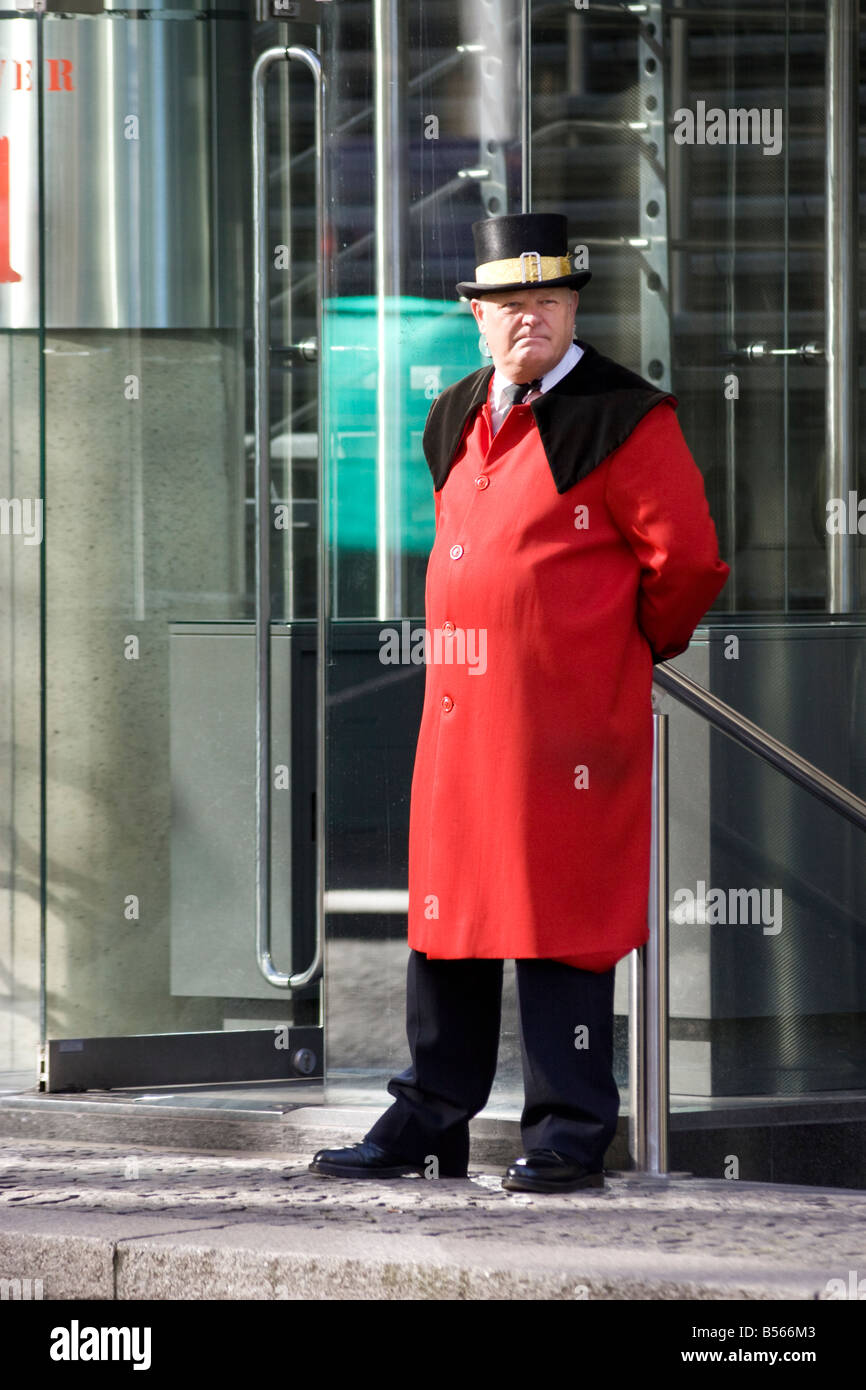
<point x="364" y="1160"/>
<point x="545" y="1170"/>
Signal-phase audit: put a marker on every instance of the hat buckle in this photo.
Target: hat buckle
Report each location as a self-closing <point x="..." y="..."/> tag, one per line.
<point x="530" y="256"/>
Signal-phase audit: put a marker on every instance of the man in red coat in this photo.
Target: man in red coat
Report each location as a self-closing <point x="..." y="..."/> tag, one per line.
<point x="574" y="548"/>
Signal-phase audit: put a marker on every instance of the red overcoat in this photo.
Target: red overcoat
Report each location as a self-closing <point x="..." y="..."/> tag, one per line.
<point x="546" y="605"/>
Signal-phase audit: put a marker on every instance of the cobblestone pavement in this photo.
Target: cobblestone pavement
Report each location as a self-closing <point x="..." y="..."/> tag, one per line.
<point x="731" y="1238"/>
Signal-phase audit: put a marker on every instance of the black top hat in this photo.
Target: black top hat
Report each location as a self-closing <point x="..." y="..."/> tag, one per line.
<point x="522" y="251"/>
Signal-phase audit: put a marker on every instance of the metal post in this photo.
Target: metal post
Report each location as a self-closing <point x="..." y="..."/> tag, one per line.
<point x="576" y="58"/>
<point x="655" y="326"/>
<point x="649" y="994"/>
<point x="526" y="106"/>
<point x="840" y="289"/>
<point x="497" y="68"/>
<point x="637" y="1059"/>
<point x="678" y="165"/>
<point x="390" y="212"/>
<point x="656" y="949"/>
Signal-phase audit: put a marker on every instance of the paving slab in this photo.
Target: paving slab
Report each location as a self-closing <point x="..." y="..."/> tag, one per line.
<point x="106" y="1221"/>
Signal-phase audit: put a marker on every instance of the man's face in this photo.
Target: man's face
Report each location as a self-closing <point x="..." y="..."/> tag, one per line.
<point x="527" y="331"/>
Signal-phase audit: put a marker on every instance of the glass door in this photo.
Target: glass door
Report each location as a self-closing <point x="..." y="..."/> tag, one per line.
<point x="21" y="533"/>
<point x="127" y="293"/>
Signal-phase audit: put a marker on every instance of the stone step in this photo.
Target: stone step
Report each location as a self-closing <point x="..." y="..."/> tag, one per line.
<point x="805" y="1141"/>
<point x="90" y="1221"/>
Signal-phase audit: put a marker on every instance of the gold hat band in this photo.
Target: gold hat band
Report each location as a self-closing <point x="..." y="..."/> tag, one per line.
<point x="530" y="268"/>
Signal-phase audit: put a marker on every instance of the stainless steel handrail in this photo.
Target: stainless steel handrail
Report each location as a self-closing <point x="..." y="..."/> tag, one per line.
<point x="728" y="721"/>
<point x="649" y="981"/>
<point x="261" y="338"/>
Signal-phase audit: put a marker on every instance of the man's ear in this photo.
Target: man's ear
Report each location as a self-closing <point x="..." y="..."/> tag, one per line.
<point x="477" y="306"/>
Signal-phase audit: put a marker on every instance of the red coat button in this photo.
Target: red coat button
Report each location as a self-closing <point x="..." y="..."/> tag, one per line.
<point x="448" y="629"/>
<point x="482" y="482"/>
<point x="447" y="703"/>
<point x="456" y="551"/>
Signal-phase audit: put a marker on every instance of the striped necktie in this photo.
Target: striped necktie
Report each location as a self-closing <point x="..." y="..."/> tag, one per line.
<point x="516" y="392"/>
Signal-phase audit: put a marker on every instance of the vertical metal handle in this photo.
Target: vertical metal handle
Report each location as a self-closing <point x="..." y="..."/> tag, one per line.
<point x="261" y="336"/>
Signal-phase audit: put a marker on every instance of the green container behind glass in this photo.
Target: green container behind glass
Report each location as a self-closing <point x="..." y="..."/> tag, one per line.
<point x="433" y="344"/>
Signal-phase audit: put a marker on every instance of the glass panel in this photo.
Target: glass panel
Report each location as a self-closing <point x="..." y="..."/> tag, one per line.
<point x="766" y="884"/>
<point x="293" y="282"/>
<point x="450" y="149"/>
<point x="708" y="261"/>
<point x="781" y="1011"/>
<point x="447" y="115"/>
<point x="150" y="756"/>
<point x="747" y="242"/>
<point x="687" y="144"/>
<point x="21" y="532"/>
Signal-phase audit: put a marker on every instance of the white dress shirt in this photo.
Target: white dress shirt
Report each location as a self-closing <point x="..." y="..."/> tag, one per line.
<point x="498" y="406"/>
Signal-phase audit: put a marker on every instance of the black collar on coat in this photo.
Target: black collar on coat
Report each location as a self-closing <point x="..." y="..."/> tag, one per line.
<point x="581" y="419"/>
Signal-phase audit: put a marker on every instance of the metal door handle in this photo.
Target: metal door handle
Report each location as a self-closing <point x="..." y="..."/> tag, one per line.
<point x="261" y="335"/>
<point x="808" y="351"/>
<point x="307" y="351"/>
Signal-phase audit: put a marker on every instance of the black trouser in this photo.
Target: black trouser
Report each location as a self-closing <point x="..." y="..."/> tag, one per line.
<point x="571" y="1100"/>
